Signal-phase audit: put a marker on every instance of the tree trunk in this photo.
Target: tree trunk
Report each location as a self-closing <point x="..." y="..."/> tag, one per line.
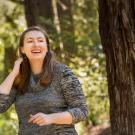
<point x="116" y="26"/>
<point x="37" y="12"/>
<point x="66" y="12"/>
<point x="9" y="58"/>
<point x="57" y="25"/>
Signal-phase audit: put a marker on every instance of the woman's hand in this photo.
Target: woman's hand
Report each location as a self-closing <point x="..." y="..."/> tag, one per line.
<point x="40" y="119"/>
<point x="17" y="64"/>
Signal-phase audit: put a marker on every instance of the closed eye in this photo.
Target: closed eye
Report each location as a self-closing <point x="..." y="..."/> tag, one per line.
<point x="40" y="40"/>
<point x="29" y="41"/>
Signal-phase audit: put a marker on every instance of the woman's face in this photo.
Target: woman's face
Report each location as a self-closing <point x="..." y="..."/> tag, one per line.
<point x="35" y="45"/>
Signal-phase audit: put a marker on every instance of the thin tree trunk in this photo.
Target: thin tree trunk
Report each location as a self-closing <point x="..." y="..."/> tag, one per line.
<point x="57" y="25"/>
<point x="66" y="12"/>
<point x="38" y="12"/>
<point x="9" y="58"/>
<point x="116" y="26"/>
<point x="9" y="50"/>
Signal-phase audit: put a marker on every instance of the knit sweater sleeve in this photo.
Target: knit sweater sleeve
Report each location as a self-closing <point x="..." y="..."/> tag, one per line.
<point x="74" y="95"/>
<point x="7" y="100"/>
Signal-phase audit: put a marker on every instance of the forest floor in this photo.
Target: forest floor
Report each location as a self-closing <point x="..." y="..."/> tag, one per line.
<point x="103" y="129"/>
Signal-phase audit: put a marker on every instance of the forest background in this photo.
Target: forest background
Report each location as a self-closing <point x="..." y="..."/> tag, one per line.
<point x="74" y="36"/>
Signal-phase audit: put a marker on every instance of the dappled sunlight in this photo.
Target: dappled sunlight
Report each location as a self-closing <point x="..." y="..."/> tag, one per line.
<point x="75" y="41"/>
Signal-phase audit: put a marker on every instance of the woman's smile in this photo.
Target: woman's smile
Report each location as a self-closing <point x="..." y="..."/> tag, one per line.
<point x="36" y="51"/>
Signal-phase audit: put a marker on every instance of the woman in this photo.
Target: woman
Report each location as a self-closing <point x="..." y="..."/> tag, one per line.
<point x="48" y="97"/>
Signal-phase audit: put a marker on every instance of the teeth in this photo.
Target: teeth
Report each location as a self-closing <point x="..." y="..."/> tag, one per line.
<point x="36" y="51"/>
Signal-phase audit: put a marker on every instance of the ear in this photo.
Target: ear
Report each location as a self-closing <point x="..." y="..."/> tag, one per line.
<point x="22" y="50"/>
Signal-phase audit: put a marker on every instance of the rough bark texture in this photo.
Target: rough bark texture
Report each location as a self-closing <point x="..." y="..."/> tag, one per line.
<point x="116" y="26"/>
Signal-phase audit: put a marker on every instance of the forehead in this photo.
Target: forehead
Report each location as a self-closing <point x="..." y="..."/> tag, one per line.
<point x="34" y="34"/>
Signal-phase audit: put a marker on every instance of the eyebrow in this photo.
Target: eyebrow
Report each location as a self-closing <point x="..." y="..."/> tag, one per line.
<point x="29" y="38"/>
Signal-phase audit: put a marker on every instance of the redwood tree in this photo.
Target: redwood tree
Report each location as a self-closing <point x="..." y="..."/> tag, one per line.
<point x="117" y="31"/>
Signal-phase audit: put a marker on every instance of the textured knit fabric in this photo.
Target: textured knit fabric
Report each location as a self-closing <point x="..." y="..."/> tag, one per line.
<point x="63" y="94"/>
<point x="36" y="77"/>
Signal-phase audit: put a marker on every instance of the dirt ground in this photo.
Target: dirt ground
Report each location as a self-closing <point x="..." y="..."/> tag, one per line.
<point x="103" y="129"/>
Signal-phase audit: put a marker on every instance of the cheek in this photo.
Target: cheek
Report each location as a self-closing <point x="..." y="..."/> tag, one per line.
<point x="45" y="48"/>
<point x="27" y="51"/>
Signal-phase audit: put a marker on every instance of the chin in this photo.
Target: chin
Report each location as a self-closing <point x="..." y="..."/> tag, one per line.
<point x="37" y="58"/>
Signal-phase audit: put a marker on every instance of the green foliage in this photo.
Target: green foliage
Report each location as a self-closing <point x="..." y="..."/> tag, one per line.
<point x="12" y="24"/>
<point x="9" y="122"/>
<point x="89" y="62"/>
<point x="85" y="58"/>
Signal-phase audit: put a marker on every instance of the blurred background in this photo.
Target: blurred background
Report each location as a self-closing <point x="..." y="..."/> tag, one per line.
<point x="72" y="26"/>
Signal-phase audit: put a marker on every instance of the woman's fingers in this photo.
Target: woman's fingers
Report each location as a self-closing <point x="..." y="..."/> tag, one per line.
<point x="17" y="64"/>
<point x="37" y="119"/>
<point x="41" y="121"/>
<point x="33" y="117"/>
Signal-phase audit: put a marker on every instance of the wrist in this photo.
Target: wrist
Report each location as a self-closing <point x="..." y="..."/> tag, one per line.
<point x="13" y="73"/>
<point x="51" y="119"/>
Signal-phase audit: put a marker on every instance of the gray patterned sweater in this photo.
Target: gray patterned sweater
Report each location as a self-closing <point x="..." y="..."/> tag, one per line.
<point x="63" y="94"/>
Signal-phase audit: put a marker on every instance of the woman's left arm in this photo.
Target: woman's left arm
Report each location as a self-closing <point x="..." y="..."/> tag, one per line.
<point x="75" y="99"/>
<point x="74" y="96"/>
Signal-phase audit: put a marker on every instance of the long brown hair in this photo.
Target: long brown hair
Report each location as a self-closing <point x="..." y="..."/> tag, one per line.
<point x="22" y="80"/>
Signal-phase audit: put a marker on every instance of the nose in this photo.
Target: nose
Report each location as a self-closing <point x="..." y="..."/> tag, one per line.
<point x="35" y="42"/>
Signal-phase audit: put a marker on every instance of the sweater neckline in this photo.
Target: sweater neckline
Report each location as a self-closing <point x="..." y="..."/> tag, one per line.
<point x="35" y="86"/>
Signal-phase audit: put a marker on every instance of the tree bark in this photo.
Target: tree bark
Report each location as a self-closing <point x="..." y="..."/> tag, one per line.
<point x="116" y="27"/>
<point x="37" y="12"/>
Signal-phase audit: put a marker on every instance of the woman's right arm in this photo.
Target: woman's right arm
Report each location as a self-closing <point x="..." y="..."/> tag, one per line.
<point x="5" y="87"/>
<point x="7" y="94"/>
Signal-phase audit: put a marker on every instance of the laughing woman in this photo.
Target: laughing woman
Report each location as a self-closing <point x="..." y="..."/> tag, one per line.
<point x="47" y="95"/>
